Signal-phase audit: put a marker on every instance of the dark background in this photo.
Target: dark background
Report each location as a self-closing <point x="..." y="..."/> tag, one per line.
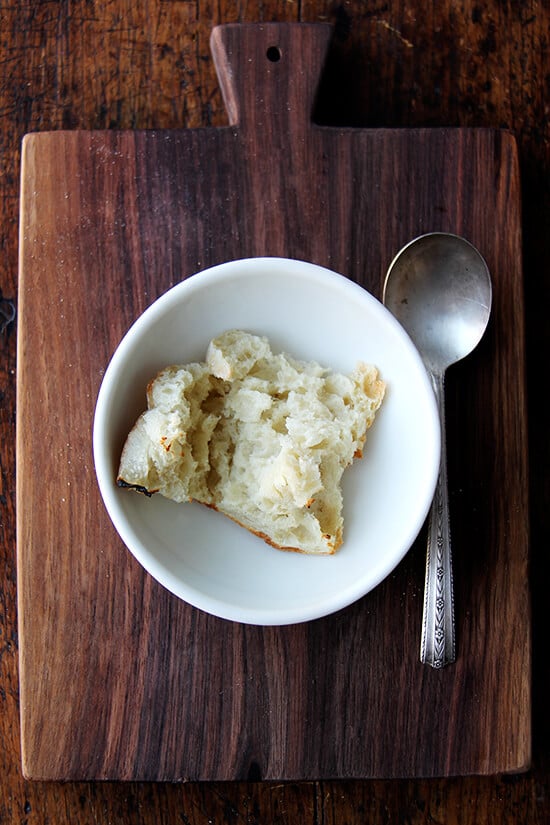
<point x="146" y="63"/>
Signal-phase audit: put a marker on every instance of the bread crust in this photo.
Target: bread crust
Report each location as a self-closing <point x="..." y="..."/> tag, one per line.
<point x="331" y="549"/>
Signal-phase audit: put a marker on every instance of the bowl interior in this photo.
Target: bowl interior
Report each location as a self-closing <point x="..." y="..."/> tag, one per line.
<point x="311" y="313"/>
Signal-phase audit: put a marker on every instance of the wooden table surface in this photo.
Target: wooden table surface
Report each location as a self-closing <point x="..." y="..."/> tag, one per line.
<point x="146" y="63"/>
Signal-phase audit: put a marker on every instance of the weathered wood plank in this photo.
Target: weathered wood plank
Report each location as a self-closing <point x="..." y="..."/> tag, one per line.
<point x="488" y="69"/>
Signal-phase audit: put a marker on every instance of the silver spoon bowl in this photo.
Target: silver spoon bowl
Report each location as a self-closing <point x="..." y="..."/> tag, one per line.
<point x="439" y="288"/>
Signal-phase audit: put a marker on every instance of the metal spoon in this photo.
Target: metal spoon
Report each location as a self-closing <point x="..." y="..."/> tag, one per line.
<point x="439" y="287"/>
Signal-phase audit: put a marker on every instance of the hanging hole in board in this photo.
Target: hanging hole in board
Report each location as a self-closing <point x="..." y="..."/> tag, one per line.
<point x="274" y="54"/>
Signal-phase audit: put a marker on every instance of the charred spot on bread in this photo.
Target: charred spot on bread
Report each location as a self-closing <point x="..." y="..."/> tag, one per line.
<point x="139" y="488"/>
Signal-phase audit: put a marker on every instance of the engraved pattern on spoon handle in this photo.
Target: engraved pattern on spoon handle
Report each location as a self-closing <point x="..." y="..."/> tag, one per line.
<point x="438" y="623"/>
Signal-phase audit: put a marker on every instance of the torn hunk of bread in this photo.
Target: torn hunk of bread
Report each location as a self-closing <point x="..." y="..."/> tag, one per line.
<point x="258" y="436"/>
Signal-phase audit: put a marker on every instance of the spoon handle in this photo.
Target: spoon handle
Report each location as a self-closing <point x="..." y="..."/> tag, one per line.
<point x="438" y="623"/>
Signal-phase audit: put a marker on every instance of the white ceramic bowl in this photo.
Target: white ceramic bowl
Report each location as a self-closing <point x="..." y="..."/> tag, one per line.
<point x="311" y="313"/>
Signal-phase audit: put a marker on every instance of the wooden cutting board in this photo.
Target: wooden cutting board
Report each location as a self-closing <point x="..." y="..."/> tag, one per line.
<point x="121" y="680"/>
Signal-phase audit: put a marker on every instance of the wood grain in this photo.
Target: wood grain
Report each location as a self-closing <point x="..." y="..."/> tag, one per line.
<point x="132" y="64"/>
<point x="115" y="672"/>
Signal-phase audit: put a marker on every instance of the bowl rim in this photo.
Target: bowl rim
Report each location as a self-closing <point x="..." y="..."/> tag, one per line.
<point x="108" y="490"/>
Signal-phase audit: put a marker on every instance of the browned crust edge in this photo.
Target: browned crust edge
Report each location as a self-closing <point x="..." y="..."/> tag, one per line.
<point x="332" y="547"/>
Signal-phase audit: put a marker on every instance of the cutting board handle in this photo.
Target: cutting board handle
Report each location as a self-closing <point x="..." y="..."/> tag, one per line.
<point x="269" y="73"/>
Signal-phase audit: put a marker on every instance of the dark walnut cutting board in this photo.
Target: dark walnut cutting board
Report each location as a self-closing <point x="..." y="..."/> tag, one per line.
<point x="121" y="680"/>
